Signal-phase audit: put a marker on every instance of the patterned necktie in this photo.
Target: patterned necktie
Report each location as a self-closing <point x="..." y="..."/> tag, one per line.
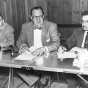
<point x="84" y="39"/>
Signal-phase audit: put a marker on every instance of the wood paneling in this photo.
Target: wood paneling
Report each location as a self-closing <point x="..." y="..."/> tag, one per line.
<point x="55" y="11"/>
<point x="76" y="11"/>
<point x="16" y="12"/>
<point x="59" y="11"/>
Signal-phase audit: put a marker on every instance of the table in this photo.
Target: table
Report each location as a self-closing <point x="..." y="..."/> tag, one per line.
<point x="50" y="64"/>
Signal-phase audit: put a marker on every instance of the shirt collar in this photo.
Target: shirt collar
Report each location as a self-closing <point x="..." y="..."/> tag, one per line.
<point x="34" y="27"/>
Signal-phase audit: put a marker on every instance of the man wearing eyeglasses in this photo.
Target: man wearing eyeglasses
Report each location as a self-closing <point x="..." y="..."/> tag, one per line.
<point x="39" y="35"/>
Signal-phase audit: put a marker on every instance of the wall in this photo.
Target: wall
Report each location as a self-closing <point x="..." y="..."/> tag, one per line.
<point x="16" y="12"/>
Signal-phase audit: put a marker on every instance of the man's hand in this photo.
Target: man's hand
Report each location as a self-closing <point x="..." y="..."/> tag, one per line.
<point x="62" y="49"/>
<point x="23" y="48"/>
<point x="39" y="51"/>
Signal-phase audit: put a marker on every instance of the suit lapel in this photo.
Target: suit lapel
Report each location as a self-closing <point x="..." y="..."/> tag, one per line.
<point x="81" y="36"/>
<point x="44" y="33"/>
<point x="32" y="34"/>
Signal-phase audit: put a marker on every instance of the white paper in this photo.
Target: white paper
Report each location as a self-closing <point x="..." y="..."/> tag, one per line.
<point x="25" y="56"/>
<point x="82" y="61"/>
<point x="39" y="60"/>
<point x="67" y="55"/>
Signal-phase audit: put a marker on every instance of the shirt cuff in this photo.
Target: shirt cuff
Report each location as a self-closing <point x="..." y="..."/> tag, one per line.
<point x="46" y="49"/>
<point x="23" y="45"/>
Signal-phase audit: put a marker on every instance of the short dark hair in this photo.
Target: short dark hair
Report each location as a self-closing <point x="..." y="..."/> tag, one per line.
<point x="36" y="8"/>
<point x="84" y="13"/>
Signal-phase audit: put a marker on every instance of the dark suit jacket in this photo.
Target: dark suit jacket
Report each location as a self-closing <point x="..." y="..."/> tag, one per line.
<point x="50" y="36"/>
<point x="76" y="39"/>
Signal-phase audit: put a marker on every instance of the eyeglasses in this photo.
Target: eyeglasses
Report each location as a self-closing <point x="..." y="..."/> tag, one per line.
<point x="41" y="16"/>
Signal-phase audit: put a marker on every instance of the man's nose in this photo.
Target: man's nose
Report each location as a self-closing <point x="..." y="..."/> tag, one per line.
<point x="38" y="20"/>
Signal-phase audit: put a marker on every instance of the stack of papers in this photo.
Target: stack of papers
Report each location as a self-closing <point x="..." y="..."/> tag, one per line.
<point x="66" y="55"/>
<point x="25" y="56"/>
<point x="82" y="60"/>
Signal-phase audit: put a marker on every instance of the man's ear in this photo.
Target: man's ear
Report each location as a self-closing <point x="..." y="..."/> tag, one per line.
<point x="43" y="16"/>
<point x="3" y="21"/>
<point x="31" y="17"/>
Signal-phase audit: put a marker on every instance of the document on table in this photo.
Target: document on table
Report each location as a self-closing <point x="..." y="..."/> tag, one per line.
<point x="82" y="60"/>
<point x="68" y="54"/>
<point x="25" y="56"/>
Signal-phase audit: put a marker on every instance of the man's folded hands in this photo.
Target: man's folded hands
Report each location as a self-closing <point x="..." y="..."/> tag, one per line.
<point x="23" y="48"/>
<point x="34" y="51"/>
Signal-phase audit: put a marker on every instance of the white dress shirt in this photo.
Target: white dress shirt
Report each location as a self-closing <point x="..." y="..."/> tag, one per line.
<point x="37" y="38"/>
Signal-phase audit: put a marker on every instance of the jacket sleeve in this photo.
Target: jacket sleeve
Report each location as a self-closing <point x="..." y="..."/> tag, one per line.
<point x="9" y="36"/>
<point x="54" y="38"/>
<point x="22" y="38"/>
<point x="71" y="41"/>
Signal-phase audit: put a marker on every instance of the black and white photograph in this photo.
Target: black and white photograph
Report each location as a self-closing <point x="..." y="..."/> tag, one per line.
<point x="43" y="43"/>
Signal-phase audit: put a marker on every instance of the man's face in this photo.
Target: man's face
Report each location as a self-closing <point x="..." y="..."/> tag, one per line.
<point x="85" y="22"/>
<point x="37" y="17"/>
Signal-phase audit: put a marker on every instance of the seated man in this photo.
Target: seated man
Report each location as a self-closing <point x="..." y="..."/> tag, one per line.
<point x="79" y="37"/>
<point x="39" y="35"/>
<point x="47" y="31"/>
<point x="6" y="40"/>
<point x="78" y="41"/>
<point x="6" y="34"/>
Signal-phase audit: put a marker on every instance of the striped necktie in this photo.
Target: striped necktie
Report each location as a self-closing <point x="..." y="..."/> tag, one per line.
<point x="84" y="39"/>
